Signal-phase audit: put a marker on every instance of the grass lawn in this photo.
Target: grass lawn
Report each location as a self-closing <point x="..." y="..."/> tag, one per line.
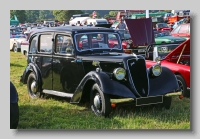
<point x="57" y="113"/>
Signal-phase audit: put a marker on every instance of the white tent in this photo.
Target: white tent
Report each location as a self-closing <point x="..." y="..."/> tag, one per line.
<point x="81" y="19"/>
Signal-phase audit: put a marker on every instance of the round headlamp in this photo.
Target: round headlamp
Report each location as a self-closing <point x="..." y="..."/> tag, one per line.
<point x="127" y="46"/>
<point x="156" y="70"/>
<point x="119" y="73"/>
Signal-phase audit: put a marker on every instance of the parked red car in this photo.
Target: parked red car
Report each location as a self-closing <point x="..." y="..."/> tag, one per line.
<point x="178" y="60"/>
<point x="182" y="30"/>
<point x="163" y="27"/>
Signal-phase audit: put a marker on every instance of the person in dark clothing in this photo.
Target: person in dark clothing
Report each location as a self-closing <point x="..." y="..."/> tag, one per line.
<point x="14" y="108"/>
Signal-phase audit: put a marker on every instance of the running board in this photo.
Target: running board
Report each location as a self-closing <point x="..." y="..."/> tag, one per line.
<point x="56" y="93"/>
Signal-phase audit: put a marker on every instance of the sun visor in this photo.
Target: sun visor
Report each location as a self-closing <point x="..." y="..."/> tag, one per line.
<point x="141" y="31"/>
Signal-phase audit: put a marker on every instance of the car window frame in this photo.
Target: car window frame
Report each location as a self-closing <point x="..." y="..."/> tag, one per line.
<point x="30" y="42"/>
<point x="64" y="34"/>
<point x="38" y="48"/>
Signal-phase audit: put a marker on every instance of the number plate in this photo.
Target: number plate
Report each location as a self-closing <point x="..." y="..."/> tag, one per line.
<point x="149" y="100"/>
<point x="141" y="50"/>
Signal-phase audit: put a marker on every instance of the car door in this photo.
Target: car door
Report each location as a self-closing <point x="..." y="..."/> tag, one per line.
<point x="66" y="75"/>
<point x="44" y="58"/>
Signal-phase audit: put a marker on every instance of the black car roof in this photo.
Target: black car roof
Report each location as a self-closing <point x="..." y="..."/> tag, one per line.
<point x="71" y="29"/>
<point x="74" y="28"/>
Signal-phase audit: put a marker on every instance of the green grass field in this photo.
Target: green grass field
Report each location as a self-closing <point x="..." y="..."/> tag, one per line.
<point x="57" y="113"/>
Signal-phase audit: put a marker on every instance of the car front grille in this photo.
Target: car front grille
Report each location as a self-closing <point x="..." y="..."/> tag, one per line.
<point x="138" y="76"/>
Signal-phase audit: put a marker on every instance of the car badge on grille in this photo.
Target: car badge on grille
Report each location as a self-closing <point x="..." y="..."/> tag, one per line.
<point x="132" y="63"/>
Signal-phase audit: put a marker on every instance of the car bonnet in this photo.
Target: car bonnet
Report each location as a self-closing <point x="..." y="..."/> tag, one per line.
<point x="141" y="31"/>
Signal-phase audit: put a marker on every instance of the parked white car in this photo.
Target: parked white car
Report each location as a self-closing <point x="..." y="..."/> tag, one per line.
<point x="15" y="42"/>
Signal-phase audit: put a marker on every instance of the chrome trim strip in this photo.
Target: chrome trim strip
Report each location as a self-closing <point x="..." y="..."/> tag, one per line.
<point x="57" y="93"/>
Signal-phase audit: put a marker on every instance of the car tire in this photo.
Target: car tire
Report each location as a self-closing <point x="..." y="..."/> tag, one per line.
<point x="100" y="102"/>
<point x="15" y="48"/>
<point x="183" y="86"/>
<point x="31" y="86"/>
<point x="26" y="55"/>
<point x="14" y="115"/>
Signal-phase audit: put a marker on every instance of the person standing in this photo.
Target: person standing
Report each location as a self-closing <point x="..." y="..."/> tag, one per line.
<point x="121" y="26"/>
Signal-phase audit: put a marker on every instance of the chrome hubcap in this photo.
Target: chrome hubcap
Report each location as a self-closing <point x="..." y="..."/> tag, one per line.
<point x="97" y="102"/>
<point x="33" y="86"/>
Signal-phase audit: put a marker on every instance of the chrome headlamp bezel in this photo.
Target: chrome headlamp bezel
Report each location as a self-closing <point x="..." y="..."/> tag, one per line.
<point x="119" y="73"/>
<point x="156" y="70"/>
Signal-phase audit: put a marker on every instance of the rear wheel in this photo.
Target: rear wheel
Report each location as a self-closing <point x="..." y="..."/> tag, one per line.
<point x="15" y="48"/>
<point x="26" y="55"/>
<point x="100" y="102"/>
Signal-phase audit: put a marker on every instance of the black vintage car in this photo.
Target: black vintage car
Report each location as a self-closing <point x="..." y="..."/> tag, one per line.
<point x="71" y="61"/>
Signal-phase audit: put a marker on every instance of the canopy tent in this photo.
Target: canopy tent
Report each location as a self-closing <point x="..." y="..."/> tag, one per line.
<point x="81" y="19"/>
<point x="14" y="21"/>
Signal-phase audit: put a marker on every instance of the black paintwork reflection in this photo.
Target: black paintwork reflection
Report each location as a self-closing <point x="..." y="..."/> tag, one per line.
<point x="66" y="76"/>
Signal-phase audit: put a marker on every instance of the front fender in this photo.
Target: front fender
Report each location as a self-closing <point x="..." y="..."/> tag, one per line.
<point x="106" y="84"/>
<point x="31" y="67"/>
<point x="164" y="83"/>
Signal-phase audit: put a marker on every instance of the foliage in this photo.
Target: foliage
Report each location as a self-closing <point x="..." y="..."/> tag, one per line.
<point x="65" y="15"/>
<point x="46" y="14"/>
<point x="113" y="13"/>
<point x="32" y="15"/>
<point x="107" y="16"/>
<point x="21" y="16"/>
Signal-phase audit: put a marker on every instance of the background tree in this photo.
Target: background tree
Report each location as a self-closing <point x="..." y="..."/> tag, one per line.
<point x="46" y="15"/>
<point x="113" y="13"/>
<point x="21" y="16"/>
<point x="32" y="15"/>
<point x="107" y="16"/>
<point x="65" y="15"/>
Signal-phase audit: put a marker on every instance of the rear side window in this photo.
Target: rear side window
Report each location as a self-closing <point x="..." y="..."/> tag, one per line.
<point x="64" y="45"/>
<point x="33" y="45"/>
<point x="46" y="43"/>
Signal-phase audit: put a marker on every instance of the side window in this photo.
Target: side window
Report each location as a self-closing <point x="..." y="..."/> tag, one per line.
<point x="64" y="45"/>
<point x="33" y="45"/>
<point x="183" y="29"/>
<point x="46" y="43"/>
<point x="176" y="30"/>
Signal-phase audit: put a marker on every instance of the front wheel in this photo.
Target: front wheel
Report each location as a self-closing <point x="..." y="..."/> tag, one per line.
<point x="100" y="102"/>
